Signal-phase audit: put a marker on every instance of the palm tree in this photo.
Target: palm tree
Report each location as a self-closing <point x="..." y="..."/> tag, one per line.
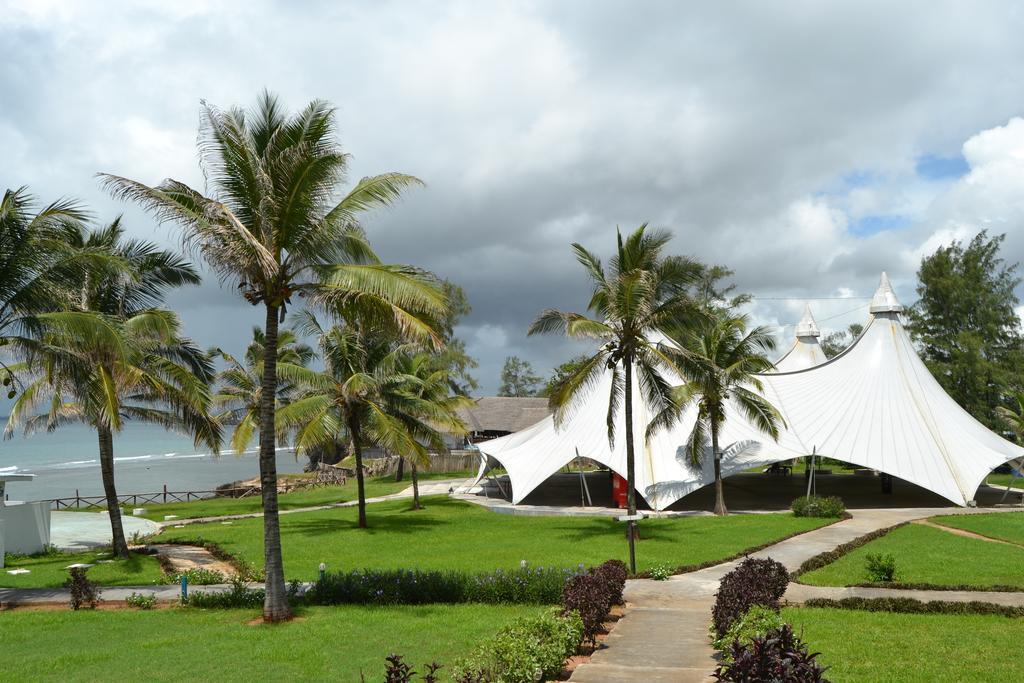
<point x="31" y="247"/>
<point x="273" y="223"/>
<point x="419" y="396"/>
<point x="1014" y="418"/>
<point x="151" y="373"/>
<point x="641" y="293"/>
<point x="718" y="360"/>
<point x="143" y="370"/>
<point x="345" y="401"/>
<point x="239" y="384"/>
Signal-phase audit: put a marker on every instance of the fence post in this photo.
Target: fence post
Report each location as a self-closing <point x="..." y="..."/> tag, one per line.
<point x="78" y="501"/>
<point x="165" y="493"/>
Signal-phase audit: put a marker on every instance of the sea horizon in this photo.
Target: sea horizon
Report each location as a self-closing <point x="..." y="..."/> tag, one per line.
<point x="147" y="458"/>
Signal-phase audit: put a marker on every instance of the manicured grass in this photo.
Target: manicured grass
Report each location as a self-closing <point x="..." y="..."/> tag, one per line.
<point x="451" y="534"/>
<point x="48" y="571"/>
<point x="322" y="495"/>
<point x="927" y="555"/>
<point x="1006" y="526"/>
<point x="1005" y="479"/>
<point x="879" y="646"/>
<point x="335" y="643"/>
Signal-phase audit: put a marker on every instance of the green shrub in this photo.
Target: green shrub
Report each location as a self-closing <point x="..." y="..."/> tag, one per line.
<point x="753" y="582"/>
<point x="527" y="650"/>
<point x="527" y="585"/>
<point x="197" y="577"/>
<point x="240" y="595"/>
<point x="141" y="601"/>
<point x="758" y="621"/>
<point x="818" y="506"/>
<point x="660" y="572"/>
<point x="881" y="567"/>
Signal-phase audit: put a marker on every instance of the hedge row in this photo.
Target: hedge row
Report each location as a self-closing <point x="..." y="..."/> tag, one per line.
<point x="912" y="606"/>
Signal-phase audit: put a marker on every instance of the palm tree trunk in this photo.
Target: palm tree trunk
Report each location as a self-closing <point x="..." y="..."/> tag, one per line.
<point x="275" y="605"/>
<point x="400" y="470"/>
<point x="719" y="494"/>
<point x="630" y="464"/>
<point x="357" y="451"/>
<point x="415" y="486"/>
<point x="106" y="442"/>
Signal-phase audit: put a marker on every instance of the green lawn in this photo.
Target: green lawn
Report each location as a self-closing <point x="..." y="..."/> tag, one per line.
<point x="927" y="555"/>
<point x="1004" y="479"/>
<point x="323" y="495"/>
<point x="451" y="534"/>
<point x="48" y="571"/>
<point x="903" y="648"/>
<point x="1007" y="526"/>
<point x="330" y="643"/>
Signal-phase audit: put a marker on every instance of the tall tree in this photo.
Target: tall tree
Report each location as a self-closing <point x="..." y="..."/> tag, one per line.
<point x="419" y="397"/>
<point x="240" y="383"/>
<point x="837" y="342"/>
<point x="640" y="294"/>
<point x="274" y="224"/>
<point x="562" y="372"/>
<point x="966" y="326"/>
<point x="518" y="378"/>
<point x="718" y="360"/>
<point x="453" y="358"/>
<point x="162" y="378"/>
<point x="32" y="247"/>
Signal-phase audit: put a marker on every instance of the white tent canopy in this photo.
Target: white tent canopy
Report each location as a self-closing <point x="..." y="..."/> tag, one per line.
<point x="806" y="352"/>
<point x="875" y="405"/>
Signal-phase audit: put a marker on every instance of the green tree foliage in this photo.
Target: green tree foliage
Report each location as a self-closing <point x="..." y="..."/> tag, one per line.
<point x="562" y="372"/>
<point x="274" y="222"/>
<point x="518" y="378"/>
<point x="719" y="359"/>
<point x="453" y="359"/>
<point x="965" y="325"/>
<point x="837" y="342"/>
<point x="641" y="292"/>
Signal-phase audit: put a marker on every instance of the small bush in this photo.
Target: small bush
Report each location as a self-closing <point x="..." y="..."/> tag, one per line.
<point x="776" y="656"/>
<point x="758" y="621"/>
<point x="397" y="671"/>
<point x="615" y="574"/>
<point x="141" y="601"/>
<point x="753" y="582"/>
<point x="881" y="567"/>
<point x="528" y="650"/>
<point x="198" y="577"/>
<point x="818" y="506"/>
<point x="660" y="572"/>
<point x="240" y="595"/>
<point x="83" y="591"/>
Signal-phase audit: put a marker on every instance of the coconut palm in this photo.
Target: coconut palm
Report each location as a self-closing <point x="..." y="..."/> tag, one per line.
<point x="142" y="370"/>
<point x="641" y="293"/>
<point x="31" y="247"/>
<point x="419" y="396"/>
<point x="150" y="372"/>
<point x="239" y="384"/>
<point x="273" y="223"/>
<point x="718" y="360"/>
<point x="1013" y="418"/>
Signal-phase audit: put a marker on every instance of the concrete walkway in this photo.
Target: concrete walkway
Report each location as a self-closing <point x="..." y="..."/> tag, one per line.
<point x="80" y="531"/>
<point x="663" y="635"/>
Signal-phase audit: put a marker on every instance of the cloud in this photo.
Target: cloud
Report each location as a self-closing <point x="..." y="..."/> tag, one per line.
<point x="786" y="145"/>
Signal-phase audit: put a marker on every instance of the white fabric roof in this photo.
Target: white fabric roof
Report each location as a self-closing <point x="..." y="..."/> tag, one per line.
<point x="875" y="405"/>
<point x="806" y="352"/>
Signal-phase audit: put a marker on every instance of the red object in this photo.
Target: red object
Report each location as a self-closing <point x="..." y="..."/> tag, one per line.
<point x="619" y="490"/>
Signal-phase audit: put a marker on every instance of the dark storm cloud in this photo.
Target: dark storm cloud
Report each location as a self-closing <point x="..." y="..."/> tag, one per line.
<point x="746" y="128"/>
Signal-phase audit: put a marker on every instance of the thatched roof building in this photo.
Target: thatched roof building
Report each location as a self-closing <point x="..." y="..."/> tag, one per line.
<point x="494" y="416"/>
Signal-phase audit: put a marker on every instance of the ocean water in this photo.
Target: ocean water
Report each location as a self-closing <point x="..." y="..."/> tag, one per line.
<point x="146" y="457"/>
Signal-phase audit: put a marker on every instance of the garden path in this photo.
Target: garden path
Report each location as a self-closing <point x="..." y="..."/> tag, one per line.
<point x="183" y="558"/>
<point x="663" y="635"/>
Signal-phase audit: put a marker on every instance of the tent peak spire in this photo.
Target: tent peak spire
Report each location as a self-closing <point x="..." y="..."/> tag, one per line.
<point x="807" y="327"/>
<point x="885" y="300"/>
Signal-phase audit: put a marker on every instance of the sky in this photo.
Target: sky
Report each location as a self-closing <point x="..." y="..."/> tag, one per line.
<point x="808" y="146"/>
